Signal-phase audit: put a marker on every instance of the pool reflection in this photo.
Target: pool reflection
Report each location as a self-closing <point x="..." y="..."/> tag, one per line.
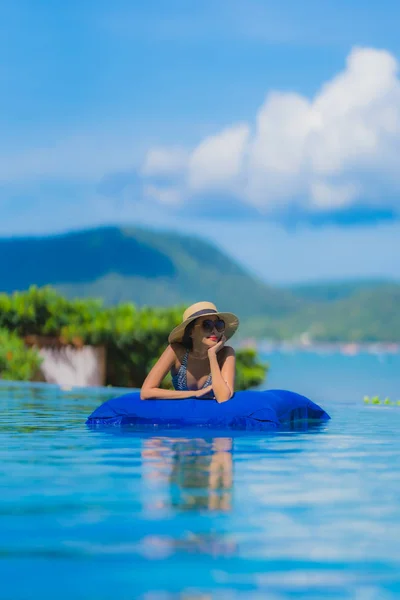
<point x="199" y="471"/>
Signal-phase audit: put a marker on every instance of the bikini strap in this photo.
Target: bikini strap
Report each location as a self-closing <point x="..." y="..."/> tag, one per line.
<point x="185" y="359"/>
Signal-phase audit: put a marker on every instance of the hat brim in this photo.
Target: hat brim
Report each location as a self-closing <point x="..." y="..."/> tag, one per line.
<point x="231" y="325"/>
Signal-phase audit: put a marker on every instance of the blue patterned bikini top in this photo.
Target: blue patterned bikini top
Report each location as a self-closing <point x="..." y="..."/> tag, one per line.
<point x="179" y="380"/>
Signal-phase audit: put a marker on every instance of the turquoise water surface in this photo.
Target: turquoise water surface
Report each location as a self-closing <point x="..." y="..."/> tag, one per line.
<point x="158" y="515"/>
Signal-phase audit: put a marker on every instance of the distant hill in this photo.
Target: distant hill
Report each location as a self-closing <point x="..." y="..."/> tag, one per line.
<point x="336" y="290"/>
<point x="142" y="266"/>
<point x="165" y="269"/>
<point x="370" y="313"/>
<point x="363" y="313"/>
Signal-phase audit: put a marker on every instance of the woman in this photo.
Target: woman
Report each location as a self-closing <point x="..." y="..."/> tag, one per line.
<point x="200" y="363"/>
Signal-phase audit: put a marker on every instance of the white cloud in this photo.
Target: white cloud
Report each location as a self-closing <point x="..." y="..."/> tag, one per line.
<point x="165" y="161"/>
<point x="328" y="197"/>
<point x="169" y="196"/>
<point x="217" y="162"/>
<point x="324" y="153"/>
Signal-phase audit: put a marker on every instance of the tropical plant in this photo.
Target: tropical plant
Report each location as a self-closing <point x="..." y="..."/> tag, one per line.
<point x="17" y="362"/>
<point x="377" y="400"/>
<point x="250" y="372"/>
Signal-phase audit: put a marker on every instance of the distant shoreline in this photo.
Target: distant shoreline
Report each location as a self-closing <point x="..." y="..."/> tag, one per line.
<point x="345" y="348"/>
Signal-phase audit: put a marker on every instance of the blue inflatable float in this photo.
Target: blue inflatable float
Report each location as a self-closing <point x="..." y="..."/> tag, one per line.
<point x="249" y="410"/>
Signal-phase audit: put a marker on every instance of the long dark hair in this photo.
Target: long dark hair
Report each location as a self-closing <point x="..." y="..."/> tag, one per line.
<point x="187" y="341"/>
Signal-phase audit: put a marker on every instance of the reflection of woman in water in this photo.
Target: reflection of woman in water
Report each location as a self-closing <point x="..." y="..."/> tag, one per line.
<point x="201" y="365"/>
<point x="202" y="480"/>
<point x="198" y="476"/>
<point x="201" y="471"/>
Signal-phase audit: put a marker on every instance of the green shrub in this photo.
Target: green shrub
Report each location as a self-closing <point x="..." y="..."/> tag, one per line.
<point x="250" y="372"/>
<point x="17" y="362"/>
<point x="377" y="400"/>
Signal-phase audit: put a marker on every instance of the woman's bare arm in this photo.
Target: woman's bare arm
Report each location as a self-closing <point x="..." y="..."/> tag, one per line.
<point x="223" y="377"/>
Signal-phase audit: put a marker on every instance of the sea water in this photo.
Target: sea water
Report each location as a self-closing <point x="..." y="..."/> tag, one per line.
<point x="161" y="515"/>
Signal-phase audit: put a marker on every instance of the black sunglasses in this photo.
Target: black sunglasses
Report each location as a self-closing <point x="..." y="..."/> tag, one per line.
<point x="208" y="325"/>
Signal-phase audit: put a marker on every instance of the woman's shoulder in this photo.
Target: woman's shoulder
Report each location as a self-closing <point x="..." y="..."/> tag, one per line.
<point x="228" y="350"/>
<point x="225" y="352"/>
<point x="178" y="350"/>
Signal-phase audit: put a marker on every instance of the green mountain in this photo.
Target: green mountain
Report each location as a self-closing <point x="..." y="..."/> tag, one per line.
<point x="336" y="290"/>
<point x="165" y="269"/>
<point x="142" y="266"/>
<point x="370" y="313"/>
<point x="349" y="312"/>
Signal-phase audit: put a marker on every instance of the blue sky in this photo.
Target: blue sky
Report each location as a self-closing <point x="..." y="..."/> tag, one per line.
<point x="272" y="129"/>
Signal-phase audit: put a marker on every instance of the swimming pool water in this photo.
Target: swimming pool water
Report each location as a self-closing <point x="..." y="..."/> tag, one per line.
<point x="157" y="515"/>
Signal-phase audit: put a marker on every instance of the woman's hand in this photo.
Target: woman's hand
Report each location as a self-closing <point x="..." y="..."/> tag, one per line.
<point x="217" y="347"/>
<point x="203" y="392"/>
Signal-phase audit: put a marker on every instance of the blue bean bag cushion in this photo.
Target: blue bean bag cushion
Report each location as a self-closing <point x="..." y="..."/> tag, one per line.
<point x="259" y="410"/>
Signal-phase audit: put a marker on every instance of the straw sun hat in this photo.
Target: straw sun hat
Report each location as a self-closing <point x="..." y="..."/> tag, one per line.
<point x="204" y="309"/>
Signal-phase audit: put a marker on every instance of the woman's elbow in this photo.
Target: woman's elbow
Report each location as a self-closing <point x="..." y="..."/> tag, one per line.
<point x="221" y="398"/>
<point x="145" y="394"/>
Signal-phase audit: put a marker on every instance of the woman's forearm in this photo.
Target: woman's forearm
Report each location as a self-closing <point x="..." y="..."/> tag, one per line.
<point x="161" y="394"/>
<point x="221" y="389"/>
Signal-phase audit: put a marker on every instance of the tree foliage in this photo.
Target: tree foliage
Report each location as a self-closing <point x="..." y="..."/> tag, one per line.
<point x="17" y="362"/>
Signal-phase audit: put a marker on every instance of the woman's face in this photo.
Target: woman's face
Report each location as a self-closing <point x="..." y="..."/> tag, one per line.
<point x="208" y="331"/>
